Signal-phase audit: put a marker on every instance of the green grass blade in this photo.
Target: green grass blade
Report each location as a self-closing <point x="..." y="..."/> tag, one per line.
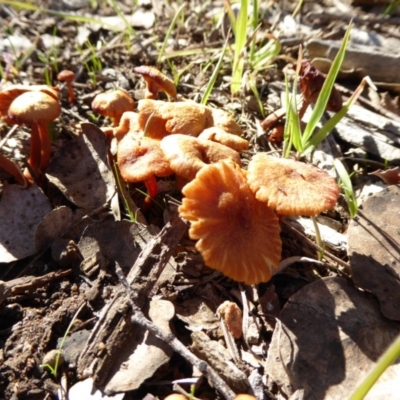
<point x="169" y="32"/>
<point x="240" y="43"/>
<point x="387" y="359"/>
<point x="214" y="76"/>
<point x="323" y="98"/>
<point x="347" y="187"/>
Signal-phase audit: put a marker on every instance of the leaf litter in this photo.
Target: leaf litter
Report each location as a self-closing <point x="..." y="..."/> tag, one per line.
<point x="309" y="332"/>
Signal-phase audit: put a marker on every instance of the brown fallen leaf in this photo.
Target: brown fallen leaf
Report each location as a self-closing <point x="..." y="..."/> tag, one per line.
<point x="330" y="336"/>
<point x="374" y="249"/>
<point x="390" y="176"/>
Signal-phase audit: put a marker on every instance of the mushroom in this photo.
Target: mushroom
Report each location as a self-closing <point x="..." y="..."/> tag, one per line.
<point x="236" y="233"/>
<point x="37" y="109"/>
<point x="128" y="124"/>
<point x="227" y="139"/>
<point x="68" y="76"/>
<point x="291" y="187"/>
<point x="156" y="82"/>
<point x="10" y="93"/>
<point x="12" y="168"/>
<point x="225" y="121"/>
<point x="160" y="118"/>
<point x="113" y="104"/>
<point x="140" y="159"/>
<point x="187" y="154"/>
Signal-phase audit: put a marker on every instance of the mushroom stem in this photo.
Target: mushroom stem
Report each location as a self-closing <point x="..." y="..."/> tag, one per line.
<point x="152" y="189"/>
<point x="45" y="146"/>
<point x="71" y="93"/>
<point x="13" y="169"/>
<point x="34" y="155"/>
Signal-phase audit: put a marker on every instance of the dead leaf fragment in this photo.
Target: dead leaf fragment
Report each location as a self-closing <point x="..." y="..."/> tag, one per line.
<point x="80" y="169"/>
<point x="329" y="338"/>
<point x="390" y="176"/>
<point x="21" y="211"/>
<point x="374" y="249"/>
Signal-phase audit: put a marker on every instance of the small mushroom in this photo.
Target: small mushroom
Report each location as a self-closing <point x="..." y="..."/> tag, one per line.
<point x="187" y="154"/>
<point x="37" y="109"/>
<point x="156" y="82"/>
<point x="160" y="118"/>
<point x="291" y="187"/>
<point x="68" y="76"/>
<point x="113" y="104"/>
<point x="236" y="233"/>
<point x="140" y="159"/>
<point x="224" y="120"/>
<point x="227" y="139"/>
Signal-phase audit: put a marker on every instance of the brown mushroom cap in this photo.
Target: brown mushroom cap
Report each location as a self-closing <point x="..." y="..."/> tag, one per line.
<point x="187" y="154"/>
<point x="66" y="76"/>
<point x="237" y="234"/>
<point x="184" y="117"/>
<point x="140" y="158"/>
<point x="156" y="82"/>
<point x="34" y="107"/>
<point x="291" y="187"/>
<point x="227" y="139"/>
<point x="10" y="93"/>
<point x="113" y="104"/>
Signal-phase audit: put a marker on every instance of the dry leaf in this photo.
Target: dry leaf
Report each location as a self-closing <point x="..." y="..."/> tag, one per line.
<point x="389" y="176"/>
<point x="329" y="338"/>
<point x="21" y="211"/>
<point x="374" y="249"/>
<point x="80" y="169"/>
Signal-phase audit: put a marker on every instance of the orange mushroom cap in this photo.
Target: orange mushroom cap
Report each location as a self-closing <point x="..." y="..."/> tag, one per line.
<point x="156" y="82"/>
<point x="160" y="118"/>
<point x="237" y="234"/>
<point x="187" y="154"/>
<point x="34" y="107"/>
<point x="227" y="139"/>
<point x="113" y="104"/>
<point x="224" y="120"/>
<point x="140" y="158"/>
<point x="291" y="187"/>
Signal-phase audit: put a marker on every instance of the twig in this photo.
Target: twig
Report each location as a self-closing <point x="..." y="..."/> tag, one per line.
<point x="139" y="318"/>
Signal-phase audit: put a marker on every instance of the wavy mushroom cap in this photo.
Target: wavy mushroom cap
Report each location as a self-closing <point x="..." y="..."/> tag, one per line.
<point x="113" y="104"/>
<point x="160" y="118"/>
<point x="188" y="154"/>
<point x="227" y="139"/>
<point x="291" y="187"/>
<point x="140" y="158"/>
<point x="224" y="120"/>
<point x="34" y="107"/>
<point x="156" y="82"/>
<point x="237" y="234"/>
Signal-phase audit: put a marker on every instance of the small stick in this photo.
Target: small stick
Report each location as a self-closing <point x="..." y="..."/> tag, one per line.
<point x="139" y="318"/>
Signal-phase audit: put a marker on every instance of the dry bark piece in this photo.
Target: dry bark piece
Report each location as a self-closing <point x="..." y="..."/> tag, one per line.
<point x="68" y="76"/>
<point x="390" y="176"/>
<point x="36" y="109"/>
<point x="113" y="104"/>
<point x="291" y="187"/>
<point x="374" y="249"/>
<point x="330" y="330"/>
<point x="237" y="234"/>
<point x="21" y="211"/>
<point x="187" y="155"/>
<point x="227" y="139"/>
<point x="159" y="118"/>
<point x="156" y="82"/>
<point x="81" y="171"/>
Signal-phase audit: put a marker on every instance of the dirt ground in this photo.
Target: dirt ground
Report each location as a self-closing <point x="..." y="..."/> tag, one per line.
<point x="312" y="331"/>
